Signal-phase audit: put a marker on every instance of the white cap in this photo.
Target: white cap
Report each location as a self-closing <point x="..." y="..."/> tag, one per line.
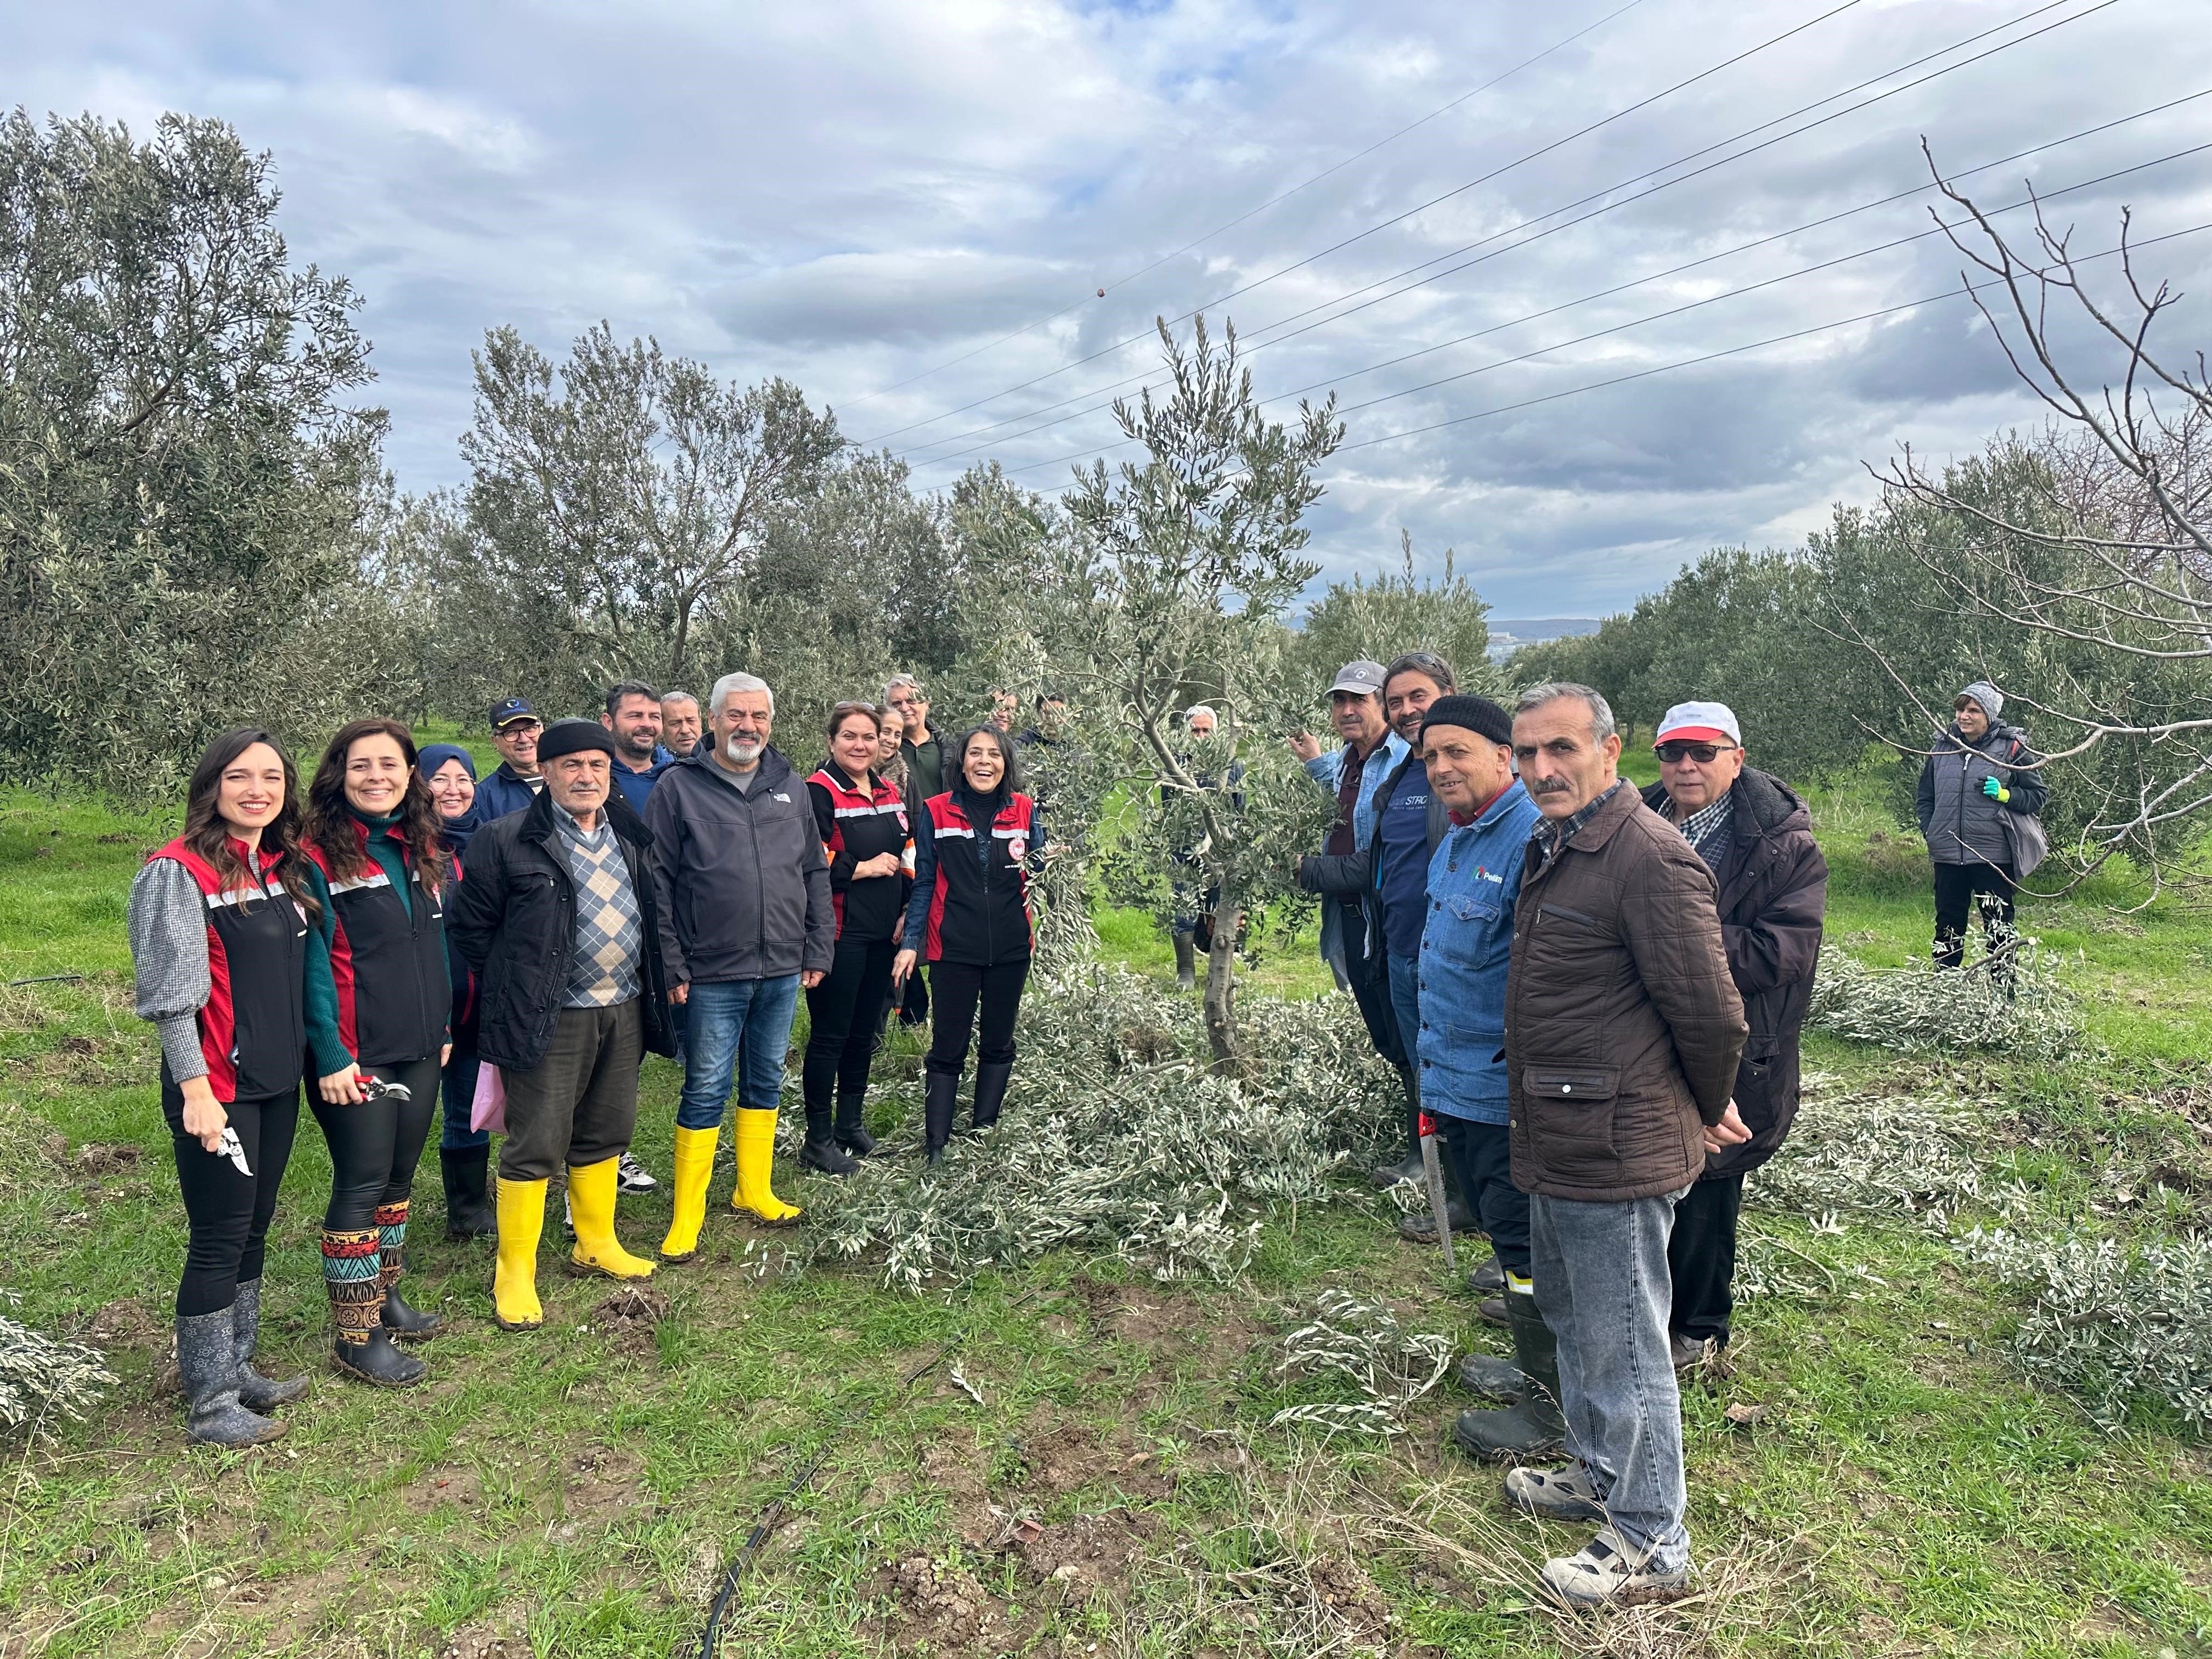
<point x="1699" y="722"/>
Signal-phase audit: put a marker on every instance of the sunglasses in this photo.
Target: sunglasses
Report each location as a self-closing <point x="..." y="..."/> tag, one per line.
<point x="1703" y="753"/>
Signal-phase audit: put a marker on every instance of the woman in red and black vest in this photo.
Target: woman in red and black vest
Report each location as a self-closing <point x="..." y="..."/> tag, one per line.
<point x="376" y="833"/>
<point x="975" y="847"/>
<point x="224" y="940"/>
<point x="868" y="841"/>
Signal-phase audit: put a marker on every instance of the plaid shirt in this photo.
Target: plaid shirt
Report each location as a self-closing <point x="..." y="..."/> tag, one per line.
<point x="1710" y="828"/>
<point x="1553" y="835"/>
<point x="609" y="929"/>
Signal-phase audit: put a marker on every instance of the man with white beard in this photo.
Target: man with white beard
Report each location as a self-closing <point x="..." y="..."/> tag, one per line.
<point x="738" y="870"/>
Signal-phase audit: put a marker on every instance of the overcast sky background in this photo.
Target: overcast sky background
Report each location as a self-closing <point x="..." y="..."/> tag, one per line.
<point x="866" y="196"/>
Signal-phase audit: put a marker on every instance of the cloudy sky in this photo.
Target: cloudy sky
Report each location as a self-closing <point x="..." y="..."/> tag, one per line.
<point x="908" y="209"/>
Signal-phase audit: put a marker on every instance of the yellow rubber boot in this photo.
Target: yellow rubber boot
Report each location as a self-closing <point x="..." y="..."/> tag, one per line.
<point x="514" y="1305"/>
<point x="694" y="1166"/>
<point x="592" y="1209"/>
<point x="756" y="1140"/>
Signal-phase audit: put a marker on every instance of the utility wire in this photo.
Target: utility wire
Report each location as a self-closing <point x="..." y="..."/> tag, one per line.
<point x="1521" y="161"/>
<point x="1272" y="201"/>
<point x="1539" y="219"/>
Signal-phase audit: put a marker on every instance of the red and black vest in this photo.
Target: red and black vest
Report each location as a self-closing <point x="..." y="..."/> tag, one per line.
<point x="979" y="913"/>
<point x="387" y="960"/>
<point x="854" y="828"/>
<point x="253" y="1030"/>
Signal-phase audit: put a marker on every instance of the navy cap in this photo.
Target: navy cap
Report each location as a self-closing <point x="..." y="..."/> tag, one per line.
<point x="514" y="708"/>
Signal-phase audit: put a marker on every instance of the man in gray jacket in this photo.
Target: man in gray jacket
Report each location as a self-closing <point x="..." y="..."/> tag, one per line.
<point x="744" y="892"/>
<point x="1972" y="799"/>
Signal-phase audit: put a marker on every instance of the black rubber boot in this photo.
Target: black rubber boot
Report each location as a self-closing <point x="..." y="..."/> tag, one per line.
<point x="1488" y="1279"/>
<point x="379" y="1361"/>
<point x="1532" y="1426"/>
<point x="468" y="1212"/>
<point x="1491" y="1378"/>
<point x="256" y="1393"/>
<point x="822" y="1151"/>
<point x="936" y="1112"/>
<point x="207" y="1366"/>
<point x="406" y="1322"/>
<point x="1420" y="1226"/>
<point x="1410" y="1167"/>
<point x="852" y="1133"/>
<point x="1186" y="950"/>
<point x="991" y="1090"/>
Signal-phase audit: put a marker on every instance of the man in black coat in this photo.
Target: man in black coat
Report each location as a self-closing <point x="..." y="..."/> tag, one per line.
<point x="1755" y="834"/>
<point x="559" y="922"/>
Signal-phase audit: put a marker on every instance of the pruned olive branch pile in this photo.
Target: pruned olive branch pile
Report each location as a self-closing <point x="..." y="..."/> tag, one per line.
<point x="1390" y="1363"/>
<point x="1918" y="1010"/>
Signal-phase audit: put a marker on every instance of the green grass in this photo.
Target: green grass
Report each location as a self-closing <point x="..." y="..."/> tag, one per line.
<point x="1892" y="1487"/>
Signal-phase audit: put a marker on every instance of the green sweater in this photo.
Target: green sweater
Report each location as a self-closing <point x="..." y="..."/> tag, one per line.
<point x="323" y="1042"/>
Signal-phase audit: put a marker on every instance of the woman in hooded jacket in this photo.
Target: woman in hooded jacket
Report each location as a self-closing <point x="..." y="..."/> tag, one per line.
<point x="464" y="1153"/>
<point x="1972" y="799"/>
<point x="975" y="847"/>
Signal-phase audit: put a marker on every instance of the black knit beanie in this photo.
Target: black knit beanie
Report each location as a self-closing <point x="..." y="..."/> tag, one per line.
<point x="1478" y="714"/>
<point x="571" y="737"/>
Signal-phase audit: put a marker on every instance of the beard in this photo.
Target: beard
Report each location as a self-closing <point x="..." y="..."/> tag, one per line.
<point x="744" y="750"/>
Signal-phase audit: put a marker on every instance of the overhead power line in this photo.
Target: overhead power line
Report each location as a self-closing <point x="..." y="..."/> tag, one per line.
<point x="1262" y="344"/>
<point x="1495" y="172"/>
<point x="1251" y="213"/>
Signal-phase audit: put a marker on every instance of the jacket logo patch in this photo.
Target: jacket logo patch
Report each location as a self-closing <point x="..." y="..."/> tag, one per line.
<point x="1017" y="848"/>
<point x="785" y="798"/>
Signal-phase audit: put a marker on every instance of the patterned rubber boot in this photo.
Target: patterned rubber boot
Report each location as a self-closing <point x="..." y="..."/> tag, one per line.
<point x="207" y="1365"/>
<point x="256" y="1393"/>
<point x="363" y="1350"/>
<point x="405" y="1323"/>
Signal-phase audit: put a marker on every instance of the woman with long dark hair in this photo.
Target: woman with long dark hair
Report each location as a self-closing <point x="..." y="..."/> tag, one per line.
<point x="378" y="840"/>
<point x="868" y="841"/>
<point x="975" y="847"/>
<point x="464" y="1153"/>
<point x="225" y="938"/>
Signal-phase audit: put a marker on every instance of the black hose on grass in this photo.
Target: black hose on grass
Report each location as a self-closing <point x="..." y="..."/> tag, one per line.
<point x="772" y="1516"/>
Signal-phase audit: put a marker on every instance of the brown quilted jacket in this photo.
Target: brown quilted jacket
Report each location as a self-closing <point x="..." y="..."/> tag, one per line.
<point x="1623" y="1026"/>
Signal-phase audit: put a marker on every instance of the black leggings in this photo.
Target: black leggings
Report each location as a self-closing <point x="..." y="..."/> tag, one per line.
<point x="375" y="1145"/>
<point x="840" y="1015"/>
<point x="1961" y="888"/>
<point x="956" y="989"/>
<point x="228" y="1211"/>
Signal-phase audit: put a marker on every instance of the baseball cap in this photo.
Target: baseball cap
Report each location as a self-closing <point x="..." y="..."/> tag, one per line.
<point x="1699" y="722"/>
<point x="512" y="709"/>
<point x="1363" y="677"/>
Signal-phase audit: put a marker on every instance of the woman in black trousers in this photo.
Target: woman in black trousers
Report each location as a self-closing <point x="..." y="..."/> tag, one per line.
<point x="464" y="1153"/>
<point x="866" y="837"/>
<point x="376" y="836"/>
<point x="975" y="847"/>
<point x="223" y="942"/>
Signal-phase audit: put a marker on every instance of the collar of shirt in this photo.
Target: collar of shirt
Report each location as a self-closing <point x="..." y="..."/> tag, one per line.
<point x="1704" y="824"/>
<point x="575" y="831"/>
<point x="1554" y="834"/>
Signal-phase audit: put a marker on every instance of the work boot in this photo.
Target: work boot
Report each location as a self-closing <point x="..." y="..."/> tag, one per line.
<point x="207" y="1366"/>
<point x="755" y="1140"/>
<point x="468" y="1207"/>
<point x="1532" y="1425"/>
<point x="851" y="1129"/>
<point x="1488" y="1279"/>
<point x="363" y="1348"/>
<point x="256" y="1393"/>
<point x="1186" y="963"/>
<point x="592" y="1206"/>
<point x="991" y="1079"/>
<point x="944" y="1094"/>
<point x="1420" y="1226"/>
<point x="1689" y="1354"/>
<point x="1490" y="1311"/>
<point x="1490" y="1377"/>
<point x="1605" y="1573"/>
<point x="514" y="1305"/>
<point x="822" y="1151"/>
<point x="1567" y="1494"/>
<point x="695" y="1169"/>
<point x="405" y="1323"/>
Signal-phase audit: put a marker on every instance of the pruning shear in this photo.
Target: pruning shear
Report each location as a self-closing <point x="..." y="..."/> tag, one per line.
<point x="232" y="1147"/>
<point x="1432" y="1170"/>
<point x="376" y="1088"/>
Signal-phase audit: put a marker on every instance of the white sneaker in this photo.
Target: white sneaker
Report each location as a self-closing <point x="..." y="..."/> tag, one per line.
<point x="1604" y="1573"/>
<point x="630" y="1176"/>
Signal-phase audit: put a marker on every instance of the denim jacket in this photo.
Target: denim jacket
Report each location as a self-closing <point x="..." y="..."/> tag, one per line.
<point x="1475" y="877"/>
<point x="1327" y="770"/>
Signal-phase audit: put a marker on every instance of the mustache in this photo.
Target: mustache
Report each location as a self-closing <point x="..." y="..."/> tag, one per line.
<point x="1549" y="786"/>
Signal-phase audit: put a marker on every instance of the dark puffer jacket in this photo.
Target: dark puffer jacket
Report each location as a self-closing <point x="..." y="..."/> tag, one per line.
<point x="1774" y="893"/>
<point x="1962" y="825"/>
<point x="515" y="919"/>
<point x="1622" y="1027"/>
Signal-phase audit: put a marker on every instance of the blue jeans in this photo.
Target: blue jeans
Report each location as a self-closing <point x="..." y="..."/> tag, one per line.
<point x="1405" y="1006"/>
<point x="459" y="1092"/>
<point x="1607" y="1292"/>
<point x="726" y="1021"/>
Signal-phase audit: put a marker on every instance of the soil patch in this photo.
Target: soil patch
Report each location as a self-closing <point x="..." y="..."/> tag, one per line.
<point x="628" y="1317"/>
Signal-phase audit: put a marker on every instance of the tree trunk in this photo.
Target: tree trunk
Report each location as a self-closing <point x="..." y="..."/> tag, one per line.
<point x="1221" y="988"/>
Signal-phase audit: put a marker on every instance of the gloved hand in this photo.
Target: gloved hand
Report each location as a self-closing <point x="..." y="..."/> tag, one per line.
<point x="1995" y="790"/>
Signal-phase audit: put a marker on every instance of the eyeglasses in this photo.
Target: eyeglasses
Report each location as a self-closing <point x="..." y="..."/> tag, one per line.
<point x="1703" y="753"/>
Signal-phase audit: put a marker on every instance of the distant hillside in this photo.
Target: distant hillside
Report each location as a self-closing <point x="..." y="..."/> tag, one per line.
<point x="1509" y="634"/>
